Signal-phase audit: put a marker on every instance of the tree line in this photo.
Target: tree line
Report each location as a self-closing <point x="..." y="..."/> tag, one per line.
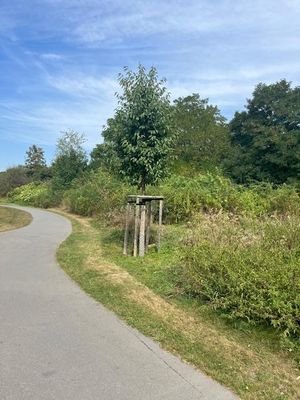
<point x="149" y="137"/>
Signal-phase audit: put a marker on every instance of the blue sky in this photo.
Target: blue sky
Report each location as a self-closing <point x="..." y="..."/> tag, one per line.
<point x="59" y="59"/>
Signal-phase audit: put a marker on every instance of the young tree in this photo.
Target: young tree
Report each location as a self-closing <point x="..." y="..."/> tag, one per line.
<point x="203" y="135"/>
<point x="140" y="132"/>
<point x="70" y="160"/>
<point x="35" y="163"/>
<point x="267" y="135"/>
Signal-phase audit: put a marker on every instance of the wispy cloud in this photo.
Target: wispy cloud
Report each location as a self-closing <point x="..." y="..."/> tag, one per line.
<point x="43" y="124"/>
<point x="92" y="22"/>
<point x="52" y="56"/>
<point x="84" y="85"/>
<point x="59" y="59"/>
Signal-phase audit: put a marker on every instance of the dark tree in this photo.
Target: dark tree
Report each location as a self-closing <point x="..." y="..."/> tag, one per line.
<point x="203" y="137"/>
<point x="35" y="163"/>
<point x="104" y="156"/>
<point x="267" y="135"/>
<point x="12" y="178"/>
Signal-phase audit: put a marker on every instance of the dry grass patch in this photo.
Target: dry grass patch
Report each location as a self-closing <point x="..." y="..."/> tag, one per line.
<point x="11" y="218"/>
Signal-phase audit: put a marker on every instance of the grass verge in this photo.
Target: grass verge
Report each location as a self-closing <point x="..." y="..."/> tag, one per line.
<point x="250" y="362"/>
<point x="11" y="218"/>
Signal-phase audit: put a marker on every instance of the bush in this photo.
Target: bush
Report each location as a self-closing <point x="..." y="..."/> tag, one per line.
<point x="211" y="193"/>
<point x="249" y="201"/>
<point x="247" y="268"/>
<point x="186" y="196"/>
<point x="284" y="200"/>
<point x="96" y="193"/>
<point x="12" y="178"/>
<point x="34" y="194"/>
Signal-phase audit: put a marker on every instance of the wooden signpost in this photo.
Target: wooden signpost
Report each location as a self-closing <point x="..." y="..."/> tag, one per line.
<point x="141" y="207"/>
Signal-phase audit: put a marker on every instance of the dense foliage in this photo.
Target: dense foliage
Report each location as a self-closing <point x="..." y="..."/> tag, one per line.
<point x="34" y="194"/>
<point x="105" y="157"/>
<point x="12" y="178"/>
<point x="248" y="268"/>
<point x="70" y="161"/>
<point x="140" y="132"/>
<point x="212" y="192"/>
<point x="266" y="137"/>
<point x="97" y="194"/>
<point x="35" y="164"/>
<point x="202" y="134"/>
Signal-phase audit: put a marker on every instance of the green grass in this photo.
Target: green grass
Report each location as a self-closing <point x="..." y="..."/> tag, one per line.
<point x="11" y="218"/>
<point x="253" y="362"/>
<point x="155" y="270"/>
<point x="158" y="272"/>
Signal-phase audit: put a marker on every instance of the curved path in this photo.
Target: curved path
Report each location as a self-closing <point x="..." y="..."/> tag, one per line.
<point x="56" y="343"/>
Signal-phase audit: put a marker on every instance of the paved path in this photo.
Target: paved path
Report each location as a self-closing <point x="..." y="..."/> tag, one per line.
<point x="56" y="343"/>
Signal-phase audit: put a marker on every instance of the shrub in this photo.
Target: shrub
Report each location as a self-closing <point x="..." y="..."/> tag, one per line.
<point x="34" y="194"/>
<point x="96" y="193"/>
<point x="12" y="178"/>
<point x="249" y="202"/>
<point x="284" y="200"/>
<point x="211" y="193"/>
<point x="246" y="268"/>
<point x="186" y="196"/>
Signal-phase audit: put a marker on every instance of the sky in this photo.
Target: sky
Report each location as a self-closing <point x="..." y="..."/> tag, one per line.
<point x="60" y="59"/>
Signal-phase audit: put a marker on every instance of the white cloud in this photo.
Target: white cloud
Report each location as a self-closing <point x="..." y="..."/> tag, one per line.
<point x="84" y="85"/>
<point x="93" y="22"/>
<point x="43" y="124"/>
<point x="53" y="56"/>
<point x="141" y="18"/>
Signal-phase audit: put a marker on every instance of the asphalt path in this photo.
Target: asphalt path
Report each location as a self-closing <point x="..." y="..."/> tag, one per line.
<point x="57" y="343"/>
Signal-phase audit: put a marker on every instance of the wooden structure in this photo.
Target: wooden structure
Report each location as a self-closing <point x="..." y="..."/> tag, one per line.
<point x="142" y="208"/>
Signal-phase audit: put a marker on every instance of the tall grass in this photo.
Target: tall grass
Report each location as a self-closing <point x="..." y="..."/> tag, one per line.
<point x="247" y="268"/>
<point x="212" y="192"/>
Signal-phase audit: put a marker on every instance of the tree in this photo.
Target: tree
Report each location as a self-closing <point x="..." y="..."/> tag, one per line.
<point x="267" y="135"/>
<point x="104" y="156"/>
<point x="140" y="132"/>
<point x="70" y="160"/>
<point x="12" y="178"/>
<point x="35" y="163"/>
<point x="203" y="136"/>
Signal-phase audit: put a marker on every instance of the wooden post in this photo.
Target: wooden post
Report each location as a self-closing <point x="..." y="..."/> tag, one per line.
<point x="160" y="222"/>
<point x="148" y="224"/>
<point x="142" y="231"/>
<point x="136" y="227"/>
<point x="126" y="229"/>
